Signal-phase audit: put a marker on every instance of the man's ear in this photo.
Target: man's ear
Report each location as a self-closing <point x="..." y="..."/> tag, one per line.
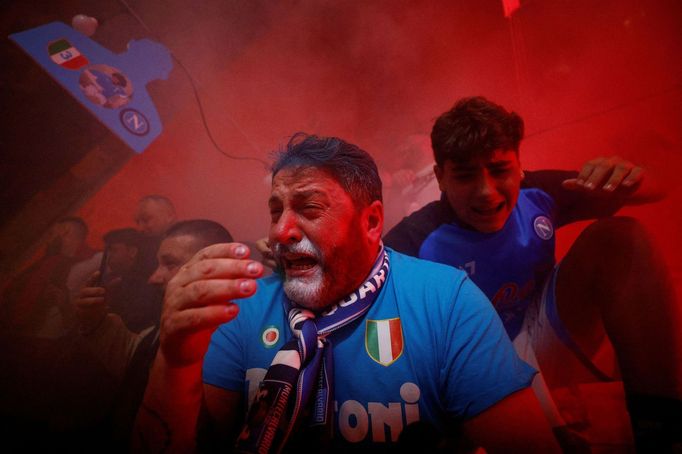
<point x="438" y="170"/>
<point x="374" y="220"/>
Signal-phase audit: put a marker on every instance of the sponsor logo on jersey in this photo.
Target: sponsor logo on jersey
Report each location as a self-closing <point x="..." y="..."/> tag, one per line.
<point x="543" y="227"/>
<point x="270" y="336"/>
<point x="377" y="421"/>
<point x="65" y="55"/>
<point x="384" y="340"/>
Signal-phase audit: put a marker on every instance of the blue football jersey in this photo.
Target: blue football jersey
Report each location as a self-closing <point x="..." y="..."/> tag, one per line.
<point x="431" y="347"/>
<point x="509" y="265"/>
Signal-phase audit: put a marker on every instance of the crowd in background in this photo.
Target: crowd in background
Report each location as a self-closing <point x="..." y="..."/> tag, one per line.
<point x="79" y="328"/>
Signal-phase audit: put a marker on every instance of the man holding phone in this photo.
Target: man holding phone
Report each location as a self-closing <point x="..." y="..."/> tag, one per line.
<point x="126" y="354"/>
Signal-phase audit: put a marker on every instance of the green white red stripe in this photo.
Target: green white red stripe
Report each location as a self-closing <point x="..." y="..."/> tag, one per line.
<point x="384" y="340"/>
<point x="65" y="55"/>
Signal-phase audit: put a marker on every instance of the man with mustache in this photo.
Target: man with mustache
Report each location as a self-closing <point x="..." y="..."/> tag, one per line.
<point x="345" y="347"/>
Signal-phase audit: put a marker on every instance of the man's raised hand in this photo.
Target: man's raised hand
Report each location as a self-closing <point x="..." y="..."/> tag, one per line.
<point x="199" y="298"/>
<point x="606" y="174"/>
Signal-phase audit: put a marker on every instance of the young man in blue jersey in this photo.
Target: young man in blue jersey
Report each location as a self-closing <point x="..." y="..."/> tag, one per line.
<point x="346" y="346"/>
<point x="498" y="224"/>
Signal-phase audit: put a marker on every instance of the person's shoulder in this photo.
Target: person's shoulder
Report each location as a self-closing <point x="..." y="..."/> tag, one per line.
<point x="447" y="291"/>
<point x="416" y="271"/>
<point x="431" y="214"/>
<point x="407" y="235"/>
<point x="535" y="196"/>
<point x="547" y="184"/>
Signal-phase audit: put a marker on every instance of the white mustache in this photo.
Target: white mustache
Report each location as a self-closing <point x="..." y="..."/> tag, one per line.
<point x="305" y="246"/>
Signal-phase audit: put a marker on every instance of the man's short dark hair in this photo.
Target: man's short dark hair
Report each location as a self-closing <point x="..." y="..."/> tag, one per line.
<point x="127" y="236"/>
<point x="161" y="199"/>
<point x="206" y="231"/>
<point x="475" y="127"/>
<point x="352" y="167"/>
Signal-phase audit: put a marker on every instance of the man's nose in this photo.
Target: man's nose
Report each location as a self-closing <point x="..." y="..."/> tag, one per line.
<point x="286" y="229"/>
<point x="486" y="185"/>
<point x="156" y="278"/>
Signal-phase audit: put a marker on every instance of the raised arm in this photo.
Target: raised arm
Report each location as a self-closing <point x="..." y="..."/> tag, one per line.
<point x="197" y="301"/>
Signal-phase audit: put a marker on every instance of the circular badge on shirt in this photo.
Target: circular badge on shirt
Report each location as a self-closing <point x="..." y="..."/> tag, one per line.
<point x="270" y="336"/>
<point x="543" y="227"/>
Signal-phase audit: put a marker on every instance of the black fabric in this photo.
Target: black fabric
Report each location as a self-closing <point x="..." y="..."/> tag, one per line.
<point x="656" y="423"/>
<point x="55" y="395"/>
<point x="409" y="234"/>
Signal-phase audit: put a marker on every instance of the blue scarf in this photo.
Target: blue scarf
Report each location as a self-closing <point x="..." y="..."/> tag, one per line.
<point x="303" y="370"/>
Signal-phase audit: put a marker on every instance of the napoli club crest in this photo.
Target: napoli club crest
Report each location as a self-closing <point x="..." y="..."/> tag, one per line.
<point x="543" y="227"/>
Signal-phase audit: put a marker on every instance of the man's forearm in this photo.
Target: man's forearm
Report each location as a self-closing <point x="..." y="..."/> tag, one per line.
<point x="167" y="419"/>
<point x="514" y="424"/>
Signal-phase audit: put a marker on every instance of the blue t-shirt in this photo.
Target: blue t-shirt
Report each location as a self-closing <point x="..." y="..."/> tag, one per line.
<point x="509" y="265"/>
<point x="430" y="347"/>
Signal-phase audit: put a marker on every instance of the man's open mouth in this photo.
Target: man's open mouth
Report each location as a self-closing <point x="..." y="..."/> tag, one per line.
<point x="298" y="262"/>
<point x="488" y="210"/>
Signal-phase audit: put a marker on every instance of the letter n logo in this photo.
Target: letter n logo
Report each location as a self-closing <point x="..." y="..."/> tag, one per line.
<point x="384" y="340"/>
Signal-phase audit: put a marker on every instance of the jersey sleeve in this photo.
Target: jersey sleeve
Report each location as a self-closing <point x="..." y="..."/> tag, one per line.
<point x="481" y="366"/>
<point x="571" y="205"/>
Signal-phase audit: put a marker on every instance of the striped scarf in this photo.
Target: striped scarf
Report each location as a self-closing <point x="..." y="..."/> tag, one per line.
<point x="302" y="370"/>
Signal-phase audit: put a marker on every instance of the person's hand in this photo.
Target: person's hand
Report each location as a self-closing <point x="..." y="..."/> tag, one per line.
<point x="198" y="300"/>
<point x="268" y="258"/>
<point x="606" y="174"/>
<point x="90" y="305"/>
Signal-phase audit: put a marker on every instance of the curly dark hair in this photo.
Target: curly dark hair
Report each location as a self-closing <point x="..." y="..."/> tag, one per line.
<point x="475" y="126"/>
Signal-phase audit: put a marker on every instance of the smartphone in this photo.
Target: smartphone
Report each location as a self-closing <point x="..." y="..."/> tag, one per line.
<point x="103" y="267"/>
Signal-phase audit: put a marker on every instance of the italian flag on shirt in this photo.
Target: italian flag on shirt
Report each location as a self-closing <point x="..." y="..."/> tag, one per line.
<point x="65" y="55"/>
<point x="384" y="340"/>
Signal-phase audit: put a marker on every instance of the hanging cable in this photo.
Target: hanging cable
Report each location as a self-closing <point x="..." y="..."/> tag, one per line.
<point x="198" y="99"/>
<point x="671" y="89"/>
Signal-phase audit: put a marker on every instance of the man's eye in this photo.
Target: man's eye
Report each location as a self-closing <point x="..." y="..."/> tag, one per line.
<point x="275" y="213"/>
<point x="464" y="176"/>
<point x="311" y="209"/>
<point x="500" y="171"/>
